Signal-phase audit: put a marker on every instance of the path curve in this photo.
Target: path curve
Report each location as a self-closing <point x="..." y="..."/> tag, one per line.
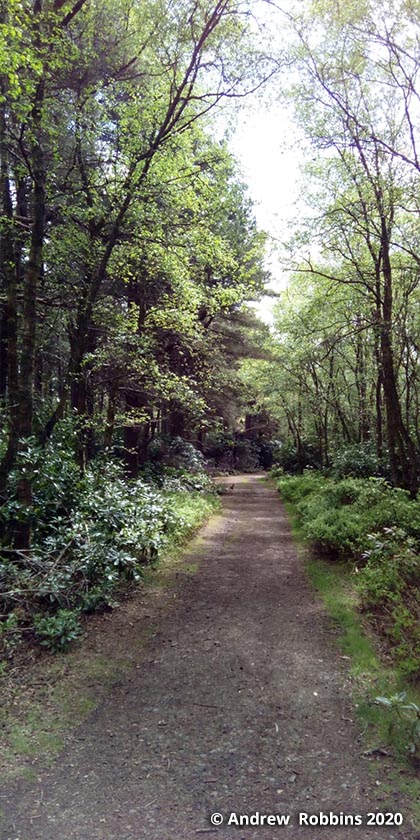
<point x="238" y="704"/>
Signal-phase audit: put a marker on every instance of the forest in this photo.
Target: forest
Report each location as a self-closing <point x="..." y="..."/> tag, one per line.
<point x="133" y="362"/>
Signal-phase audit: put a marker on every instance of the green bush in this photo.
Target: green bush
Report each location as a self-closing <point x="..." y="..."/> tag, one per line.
<point x="353" y="507"/>
<point x="293" y="460"/>
<point x="183" y="454"/>
<point x="408" y="713"/>
<point x="334" y="531"/>
<point x="358" y="460"/>
<point x="245" y="455"/>
<point x="10" y="635"/>
<point x="59" y="631"/>
<point x="391" y="565"/>
<point x="377" y="527"/>
<point x="339" y="516"/>
<point x="91" y="533"/>
<point x="389" y="587"/>
<point x="297" y="487"/>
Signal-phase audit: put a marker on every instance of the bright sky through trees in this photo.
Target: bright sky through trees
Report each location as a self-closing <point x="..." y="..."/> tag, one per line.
<point x="267" y="145"/>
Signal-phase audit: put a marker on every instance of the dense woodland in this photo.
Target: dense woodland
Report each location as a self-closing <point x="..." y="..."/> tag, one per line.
<point x="129" y="253"/>
<point x="131" y="357"/>
<point x="128" y="244"/>
<point x="346" y="341"/>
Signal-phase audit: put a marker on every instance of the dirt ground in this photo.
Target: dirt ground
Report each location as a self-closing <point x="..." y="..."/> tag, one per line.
<point x="238" y="704"/>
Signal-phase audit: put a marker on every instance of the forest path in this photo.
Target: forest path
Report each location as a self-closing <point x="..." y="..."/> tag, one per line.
<point x="238" y="704"/>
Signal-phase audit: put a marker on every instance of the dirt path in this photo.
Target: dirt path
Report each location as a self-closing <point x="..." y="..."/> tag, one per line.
<point x="239" y="704"/>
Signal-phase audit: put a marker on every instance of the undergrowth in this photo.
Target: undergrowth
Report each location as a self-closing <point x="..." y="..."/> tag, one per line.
<point x="373" y="679"/>
<point x="375" y="529"/>
<point x="92" y="534"/>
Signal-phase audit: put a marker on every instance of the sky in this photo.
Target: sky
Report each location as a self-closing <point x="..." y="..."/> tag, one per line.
<point x="263" y="145"/>
<point x="265" y="142"/>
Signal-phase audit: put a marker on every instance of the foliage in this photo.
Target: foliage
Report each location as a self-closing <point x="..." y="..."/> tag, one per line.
<point x="391" y="566"/>
<point x="188" y="510"/>
<point x="183" y="454"/>
<point x="339" y="516"/>
<point x="356" y="461"/>
<point x="92" y="533"/>
<point x="246" y="455"/>
<point x="57" y="632"/>
<point x="294" y="488"/>
<point x="129" y="245"/>
<point x="294" y="458"/>
<point x="377" y="527"/>
<point x="10" y="633"/>
<point x="266" y="452"/>
<point x="408" y="712"/>
<point x="341" y="368"/>
<point x="389" y="586"/>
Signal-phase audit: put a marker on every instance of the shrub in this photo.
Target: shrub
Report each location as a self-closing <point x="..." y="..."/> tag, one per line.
<point x="335" y="531"/>
<point x="183" y="454"/>
<point x="55" y="480"/>
<point x="266" y="450"/>
<point x="246" y="455"/>
<point x="391" y="567"/>
<point x="297" y="487"/>
<point x="339" y="516"/>
<point x="358" y="460"/>
<point x="408" y="713"/>
<point x="377" y="527"/>
<point x="90" y="534"/>
<point x="10" y="634"/>
<point x="57" y="632"/>
<point x="293" y="460"/>
<point x="389" y="587"/>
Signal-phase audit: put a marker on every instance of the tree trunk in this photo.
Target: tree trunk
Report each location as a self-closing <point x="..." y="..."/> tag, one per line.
<point x="30" y="289"/>
<point x="402" y="452"/>
<point x="8" y="274"/>
<point x="110" y="415"/>
<point x="363" y="431"/>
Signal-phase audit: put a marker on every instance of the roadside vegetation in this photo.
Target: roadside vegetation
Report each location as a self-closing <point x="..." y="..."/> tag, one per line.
<point x="341" y="376"/>
<point x="129" y="257"/>
<point x="364" y="560"/>
<point x="94" y="534"/>
<point x="374" y="528"/>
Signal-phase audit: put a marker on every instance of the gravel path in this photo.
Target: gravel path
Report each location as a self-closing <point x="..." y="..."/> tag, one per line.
<point x="238" y="705"/>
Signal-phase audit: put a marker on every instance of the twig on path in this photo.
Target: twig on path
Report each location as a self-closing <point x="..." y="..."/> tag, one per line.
<point x="151" y="803"/>
<point x="209" y="706"/>
<point x="375" y="752"/>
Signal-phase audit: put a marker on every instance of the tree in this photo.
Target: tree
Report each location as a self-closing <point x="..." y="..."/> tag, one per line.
<point x="356" y="110"/>
<point x="95" y="114"/>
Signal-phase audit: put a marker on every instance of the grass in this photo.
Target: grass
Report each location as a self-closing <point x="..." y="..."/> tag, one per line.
<point x="370" y="675"/>
<point x="194" y="509"/>
<point x="333" y="582"/>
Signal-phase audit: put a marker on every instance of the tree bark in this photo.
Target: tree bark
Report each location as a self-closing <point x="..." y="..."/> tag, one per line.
<point x="402" y="452"/>
<point x="8" y="273"/>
